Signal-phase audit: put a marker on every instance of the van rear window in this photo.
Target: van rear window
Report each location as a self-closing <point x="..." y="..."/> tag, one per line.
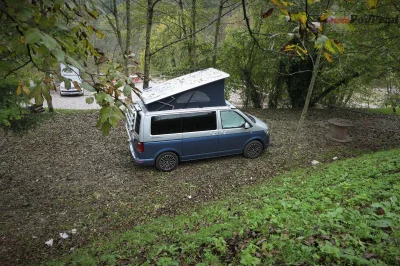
<point x="137" y="122"/>
<point x="166" y="124"/>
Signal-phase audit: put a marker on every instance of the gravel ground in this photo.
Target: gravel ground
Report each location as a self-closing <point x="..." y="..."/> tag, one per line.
<point x="71" y="102"/>
<point x="65" y="175"/>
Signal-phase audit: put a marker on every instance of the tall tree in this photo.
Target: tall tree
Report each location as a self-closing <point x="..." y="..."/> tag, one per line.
<point x="128" y="53"/>
<point x="147" y="54"/>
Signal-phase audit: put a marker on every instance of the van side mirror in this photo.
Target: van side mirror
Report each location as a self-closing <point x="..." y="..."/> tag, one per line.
<point x="246" y="125"/>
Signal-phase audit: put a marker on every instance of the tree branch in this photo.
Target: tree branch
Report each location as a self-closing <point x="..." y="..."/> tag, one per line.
<point x="2" y="9"/>
<point x="15" y="69"/>
<point x="193" y="33"/>
<point x="333" y="87"/>
<point x="398" y="9"/>
<point x="246" y="18"/>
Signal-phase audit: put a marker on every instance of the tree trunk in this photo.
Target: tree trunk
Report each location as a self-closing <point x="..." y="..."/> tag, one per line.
<point x="276" y="94"/>
<point x="217" y="26"/>
<point x="117" y="28"/>
<point x="299" y="80"/>
<point x="128" y="36"/>
<point x="147" y="54"/>
<point x="194" y="58"/>
<point x="305" y="109"/>
<point x="184" y="29"/>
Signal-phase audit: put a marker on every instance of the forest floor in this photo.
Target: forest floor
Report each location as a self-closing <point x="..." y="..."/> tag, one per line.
<point x="65" y="175"/>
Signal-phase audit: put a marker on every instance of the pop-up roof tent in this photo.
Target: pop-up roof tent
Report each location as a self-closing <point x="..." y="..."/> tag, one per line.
<point x="203" y="88"/>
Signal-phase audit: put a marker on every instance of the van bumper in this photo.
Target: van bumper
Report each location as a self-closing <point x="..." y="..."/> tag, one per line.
<point x="137" y="159"/>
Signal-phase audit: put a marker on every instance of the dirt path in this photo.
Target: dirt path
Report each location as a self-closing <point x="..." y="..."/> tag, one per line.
<point x="64" y="175"/>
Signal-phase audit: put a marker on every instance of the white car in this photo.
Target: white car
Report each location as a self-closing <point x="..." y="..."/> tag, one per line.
<point x="72" y="74"/>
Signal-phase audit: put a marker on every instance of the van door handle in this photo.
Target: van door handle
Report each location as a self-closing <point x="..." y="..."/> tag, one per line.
<point x="224" y="131"/>
<point x="214" y="133"/>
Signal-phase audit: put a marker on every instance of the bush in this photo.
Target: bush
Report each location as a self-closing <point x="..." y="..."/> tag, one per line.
<point x="12" y="106"/>
<point x="393" y="100"/>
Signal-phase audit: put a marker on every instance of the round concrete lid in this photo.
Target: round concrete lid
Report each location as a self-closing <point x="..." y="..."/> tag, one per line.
<point x="340" y="122"/>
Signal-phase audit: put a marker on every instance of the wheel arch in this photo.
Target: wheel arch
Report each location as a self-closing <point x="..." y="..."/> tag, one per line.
<point x="168" y="150"/>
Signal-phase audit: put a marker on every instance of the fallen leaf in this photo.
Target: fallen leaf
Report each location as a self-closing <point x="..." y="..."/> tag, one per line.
<point x="314" y="162"/>
<point x="49" y="242"/>
<point x="268" y="13"/>
<point x="64" y="235"/>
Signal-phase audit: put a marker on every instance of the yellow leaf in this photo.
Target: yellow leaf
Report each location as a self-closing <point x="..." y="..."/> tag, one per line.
<point x="281" y="5"/>
<point x="19" y="89"/>
<point x="371" y="3"/>
<point x="339" y="46"/>
<point x="302" y="16"/>
<point x="284" y="10"/>
<point x="284" y="3"/>
<point x="23" y="39"/>
<point x="328" y="46"/>
<point x="25" y="89"/>
<point x="77" y="86"/>
<point x="289" y="47"/>
<point x="304" y="51"/>
<point x="328" y="57"/>
<point x="300" y="54"/>
<point x="100" y="35"/>
<point x="325" y="15"/>
<point x="275" y="2"/>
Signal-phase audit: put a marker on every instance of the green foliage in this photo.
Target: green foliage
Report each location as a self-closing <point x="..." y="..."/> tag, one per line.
<point x="345" y="213"/>
<point x="12" y="106"/>
<point x="37" y="33"/>
<point x="393" y="100"/>
<point x="386" y="111"/>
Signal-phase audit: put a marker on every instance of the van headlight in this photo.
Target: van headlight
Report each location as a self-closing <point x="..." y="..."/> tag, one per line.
<point x="266" y="131"/>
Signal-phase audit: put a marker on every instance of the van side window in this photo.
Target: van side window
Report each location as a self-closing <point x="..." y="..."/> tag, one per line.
<point x="199" y="122"/>
<point x="137" y="122"/>
<point x="231" y="119"/>
<point x="193" y="97"/>
<point x="166" y="124"/>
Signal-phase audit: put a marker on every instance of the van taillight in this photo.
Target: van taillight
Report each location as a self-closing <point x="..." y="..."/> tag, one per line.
<point x="140" y="146"/>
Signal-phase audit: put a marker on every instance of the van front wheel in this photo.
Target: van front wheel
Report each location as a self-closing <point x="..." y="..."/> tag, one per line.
<point x="253" y="149"/>
<point x="167" y="161"/>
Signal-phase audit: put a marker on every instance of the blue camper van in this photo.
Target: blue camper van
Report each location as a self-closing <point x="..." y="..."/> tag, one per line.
<point x="188" y="118"/>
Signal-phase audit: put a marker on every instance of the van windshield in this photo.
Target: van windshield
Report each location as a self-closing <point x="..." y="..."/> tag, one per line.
<point x="250" y="117"/>
<point x="137" y="122"/>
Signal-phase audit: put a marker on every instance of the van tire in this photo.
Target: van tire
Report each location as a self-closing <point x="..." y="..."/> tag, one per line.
<point x="167" y="161"/>
<point x="253" y="149"/>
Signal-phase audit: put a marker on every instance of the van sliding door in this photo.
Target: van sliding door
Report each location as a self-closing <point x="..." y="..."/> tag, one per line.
<point x="200" y="135"/>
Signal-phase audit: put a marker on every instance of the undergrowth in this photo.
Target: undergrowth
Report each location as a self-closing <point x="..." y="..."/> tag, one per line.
<point x="344" y="213"/>
<point x="386" y="111"/>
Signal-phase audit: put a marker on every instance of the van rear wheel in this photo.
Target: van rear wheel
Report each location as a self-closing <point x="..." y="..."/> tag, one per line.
<point x="167" y="161"/>
<point x="253" y="149"/>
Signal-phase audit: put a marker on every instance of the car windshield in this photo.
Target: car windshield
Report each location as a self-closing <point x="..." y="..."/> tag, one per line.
<point x="250" y="117"/>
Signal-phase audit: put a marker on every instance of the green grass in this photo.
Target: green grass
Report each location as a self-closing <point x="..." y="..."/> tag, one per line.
<point x="344" y="213"/>
<point x="386" y="111"/>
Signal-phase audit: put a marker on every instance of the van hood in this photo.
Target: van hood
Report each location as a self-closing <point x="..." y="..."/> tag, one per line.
<point x="260" y="123"/>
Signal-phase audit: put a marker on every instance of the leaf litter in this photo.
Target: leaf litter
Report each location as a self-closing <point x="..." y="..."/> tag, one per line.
<point x="75" y="179"/>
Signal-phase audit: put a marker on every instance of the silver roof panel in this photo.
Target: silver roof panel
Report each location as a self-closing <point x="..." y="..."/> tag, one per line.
<point x="181" y="84"/>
